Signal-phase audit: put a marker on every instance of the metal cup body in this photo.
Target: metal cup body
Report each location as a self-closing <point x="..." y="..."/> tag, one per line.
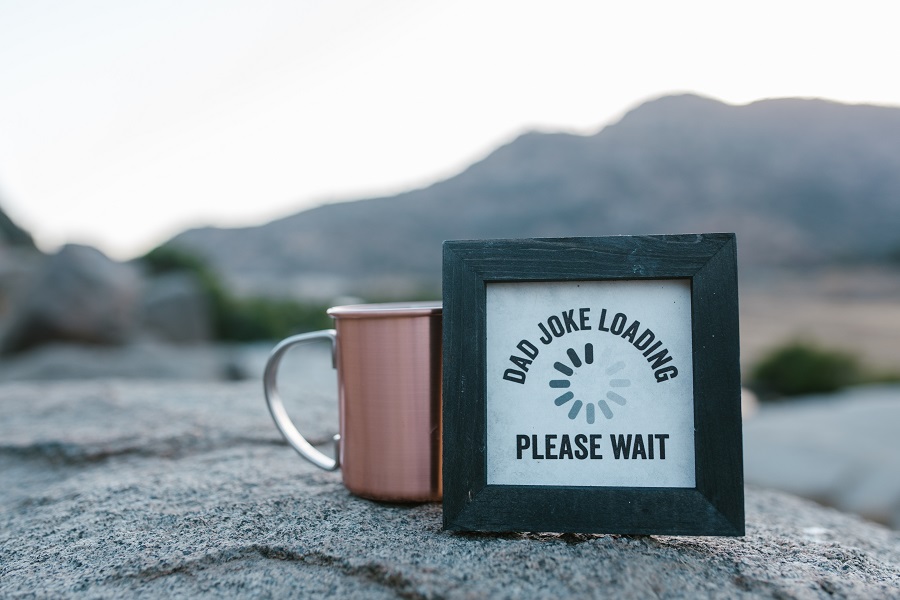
<point x="388" y="359"/>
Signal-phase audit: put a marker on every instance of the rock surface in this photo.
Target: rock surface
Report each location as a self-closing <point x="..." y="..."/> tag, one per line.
<point x="79" y="295"/>
<point x="137" y="360"/>
<point x="175" y="308"/>
<point x="17" y="269"/>
<point x="838" y="449"/>
<point x="146" y="489"/>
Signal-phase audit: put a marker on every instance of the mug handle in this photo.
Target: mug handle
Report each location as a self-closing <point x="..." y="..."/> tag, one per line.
<point x="276" y="406"/>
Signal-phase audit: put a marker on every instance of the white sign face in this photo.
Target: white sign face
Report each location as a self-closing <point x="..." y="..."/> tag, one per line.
<point x="590" y="383"/>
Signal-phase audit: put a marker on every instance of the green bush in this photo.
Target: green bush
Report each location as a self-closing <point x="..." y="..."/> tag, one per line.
<point x="240" y="319"/>
<point x="244" y="320"/>
<point x="804" y="368"/>
<point x="166" y="259"/>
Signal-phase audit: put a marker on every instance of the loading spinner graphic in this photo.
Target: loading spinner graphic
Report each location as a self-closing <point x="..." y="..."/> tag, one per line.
<point x="582" y="392"/>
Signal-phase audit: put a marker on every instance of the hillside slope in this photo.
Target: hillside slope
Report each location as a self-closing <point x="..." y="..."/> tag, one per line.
<point x="800" y="181"/>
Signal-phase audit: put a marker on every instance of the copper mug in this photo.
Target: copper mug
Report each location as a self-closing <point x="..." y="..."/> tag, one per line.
<point x="388" y="360"/>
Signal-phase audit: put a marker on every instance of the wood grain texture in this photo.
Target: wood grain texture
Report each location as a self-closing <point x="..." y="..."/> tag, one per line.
<point x="714" y="507"/>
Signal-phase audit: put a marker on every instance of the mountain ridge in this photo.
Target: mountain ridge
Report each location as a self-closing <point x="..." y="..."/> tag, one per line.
<point x="801" y="181"/>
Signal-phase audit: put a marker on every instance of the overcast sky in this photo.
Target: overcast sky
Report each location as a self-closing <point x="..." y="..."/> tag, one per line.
<point x="122" y="123"/>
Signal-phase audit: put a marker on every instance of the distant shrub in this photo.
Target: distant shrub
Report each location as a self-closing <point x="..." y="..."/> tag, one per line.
<point x="166" y="259"/>
<point x="804" y="368"/>
<point x="249" y="319"/>
<point x="163" y="259"/>
<point x="239" y="319"/>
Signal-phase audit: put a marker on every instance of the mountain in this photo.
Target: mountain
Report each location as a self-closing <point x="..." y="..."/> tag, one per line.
<point x="801" y="181"/>
<point x="13" y="235"/>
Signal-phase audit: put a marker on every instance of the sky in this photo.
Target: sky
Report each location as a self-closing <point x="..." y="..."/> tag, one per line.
<point x="124" y="123"/>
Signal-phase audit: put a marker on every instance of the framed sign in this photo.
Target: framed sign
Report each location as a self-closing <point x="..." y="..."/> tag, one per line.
<point x="592" y="385"/>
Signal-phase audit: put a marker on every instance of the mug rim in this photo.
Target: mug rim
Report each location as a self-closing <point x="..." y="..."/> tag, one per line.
<point x="387" y="309"/>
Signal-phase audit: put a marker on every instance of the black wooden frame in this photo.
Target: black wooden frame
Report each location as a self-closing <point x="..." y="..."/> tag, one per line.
<point x="714" y="507"/>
